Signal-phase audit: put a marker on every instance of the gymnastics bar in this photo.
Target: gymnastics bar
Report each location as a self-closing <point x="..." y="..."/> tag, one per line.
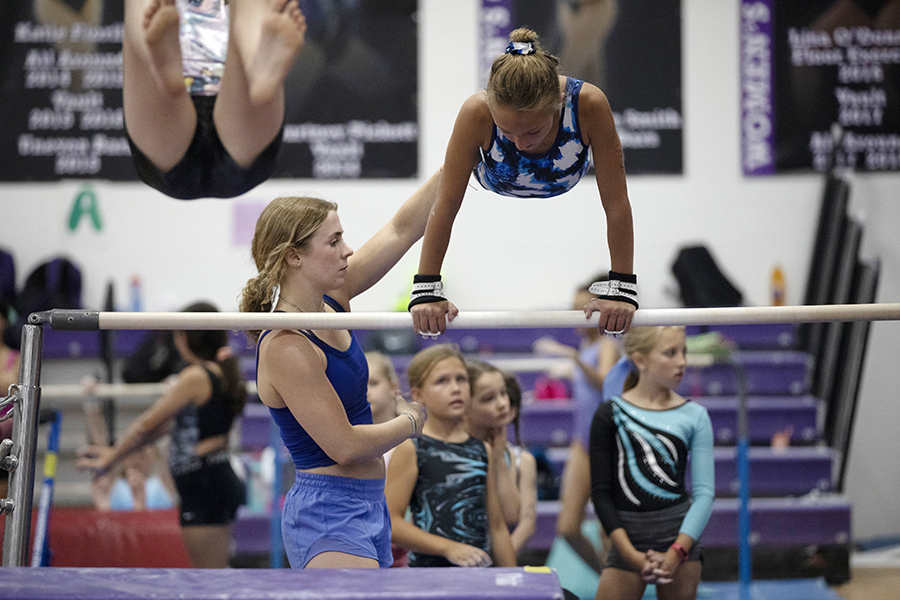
<point x="126" y="394"/>
<point x="80" y="320"/>
<point x="25" y="426"/>
<point x="21" y="482"/>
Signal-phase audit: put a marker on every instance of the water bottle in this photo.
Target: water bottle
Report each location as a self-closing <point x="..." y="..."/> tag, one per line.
<point x="777" y="286"/>
<point x="135" y="295"/>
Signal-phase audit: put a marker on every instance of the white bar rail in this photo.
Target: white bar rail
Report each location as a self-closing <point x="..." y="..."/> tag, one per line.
<point x="94" y="320"/>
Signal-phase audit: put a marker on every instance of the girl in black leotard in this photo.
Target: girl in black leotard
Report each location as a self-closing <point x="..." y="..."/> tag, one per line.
<point x="198" y="411"/>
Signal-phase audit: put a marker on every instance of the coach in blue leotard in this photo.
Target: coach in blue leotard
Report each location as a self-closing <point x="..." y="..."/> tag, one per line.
<point x="315" y="381"/>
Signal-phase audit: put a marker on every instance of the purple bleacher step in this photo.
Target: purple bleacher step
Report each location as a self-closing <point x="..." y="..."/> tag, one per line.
<point x="758" y="336"/>
<point x="552" y="422"/>
<point x="766" y="373"/>
<point x="792" y="471"/>
<point x="255" y="426"/>
<point x="484" y="341"/>
<point x="548" y="422"/>
<point x="70" y="344"/>
<point x="86" y="344"/>
<point x="766" y="416"/>
<point x="803" y="521"/>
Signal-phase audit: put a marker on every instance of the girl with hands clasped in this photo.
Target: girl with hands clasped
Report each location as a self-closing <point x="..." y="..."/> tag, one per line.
<point x="492" y="408"/>
<point x="445" y="477"/>
<point x="531" y="133"/>
<point x="315" y="381"/>
<point x="198" y="410"/>
<point x="639" y="447"/>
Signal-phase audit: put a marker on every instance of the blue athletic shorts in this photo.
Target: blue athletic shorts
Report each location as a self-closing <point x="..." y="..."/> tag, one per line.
<point x="327" y="513"/>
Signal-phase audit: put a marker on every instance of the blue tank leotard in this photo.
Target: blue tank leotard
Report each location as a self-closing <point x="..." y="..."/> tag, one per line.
<point x="348" y="373"/>
<point x="507" y="171"/>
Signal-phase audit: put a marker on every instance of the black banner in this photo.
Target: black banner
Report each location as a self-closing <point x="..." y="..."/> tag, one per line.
<point x="630" y="50"/>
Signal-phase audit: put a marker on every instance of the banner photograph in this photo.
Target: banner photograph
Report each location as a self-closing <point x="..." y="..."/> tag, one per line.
<point x="817" y="73"/>
<point x="350" y="109"/>
<point x="630" y="50"/>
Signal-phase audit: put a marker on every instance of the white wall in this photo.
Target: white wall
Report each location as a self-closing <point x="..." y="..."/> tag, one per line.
<point x="541" y="249"/>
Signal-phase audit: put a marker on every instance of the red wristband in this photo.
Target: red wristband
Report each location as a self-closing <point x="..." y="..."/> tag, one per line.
<point x="680" y="550"/>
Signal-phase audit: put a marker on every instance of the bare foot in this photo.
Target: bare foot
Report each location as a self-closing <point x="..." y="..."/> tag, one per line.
<point x="281" y="39"/>
<point x="161" y="34"/>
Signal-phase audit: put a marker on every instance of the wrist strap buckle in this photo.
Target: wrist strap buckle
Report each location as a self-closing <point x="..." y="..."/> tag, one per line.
<point x="620" y="288"/>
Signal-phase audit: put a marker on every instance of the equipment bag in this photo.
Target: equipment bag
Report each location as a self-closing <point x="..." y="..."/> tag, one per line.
<point x="702" y="283"/>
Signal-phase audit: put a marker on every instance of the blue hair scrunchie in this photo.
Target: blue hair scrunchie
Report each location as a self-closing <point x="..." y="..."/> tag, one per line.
<point x="523" y="48"/>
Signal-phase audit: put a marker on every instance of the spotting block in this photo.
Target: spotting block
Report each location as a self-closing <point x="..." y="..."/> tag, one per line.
<point x="50" y="583"/>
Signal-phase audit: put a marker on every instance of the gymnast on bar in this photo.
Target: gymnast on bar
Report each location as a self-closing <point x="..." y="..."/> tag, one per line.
<point x="532" y="133"/>
<point x="315" y="381"/>
<point x="199" y="126"/>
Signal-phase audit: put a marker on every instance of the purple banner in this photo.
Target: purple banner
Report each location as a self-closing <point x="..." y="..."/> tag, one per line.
<point x="496" y="25"/>
<point x="757" y="105"/>
<point x="817" y="71"/>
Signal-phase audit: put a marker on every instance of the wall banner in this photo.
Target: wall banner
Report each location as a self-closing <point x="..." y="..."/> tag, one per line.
<point x="630" y="50"/>
<point x="350" y="111"/>
<point x="811" y="69"/>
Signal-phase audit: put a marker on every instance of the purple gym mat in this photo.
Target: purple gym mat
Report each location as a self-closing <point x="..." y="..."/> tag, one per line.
<point x="24" y="583"/>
